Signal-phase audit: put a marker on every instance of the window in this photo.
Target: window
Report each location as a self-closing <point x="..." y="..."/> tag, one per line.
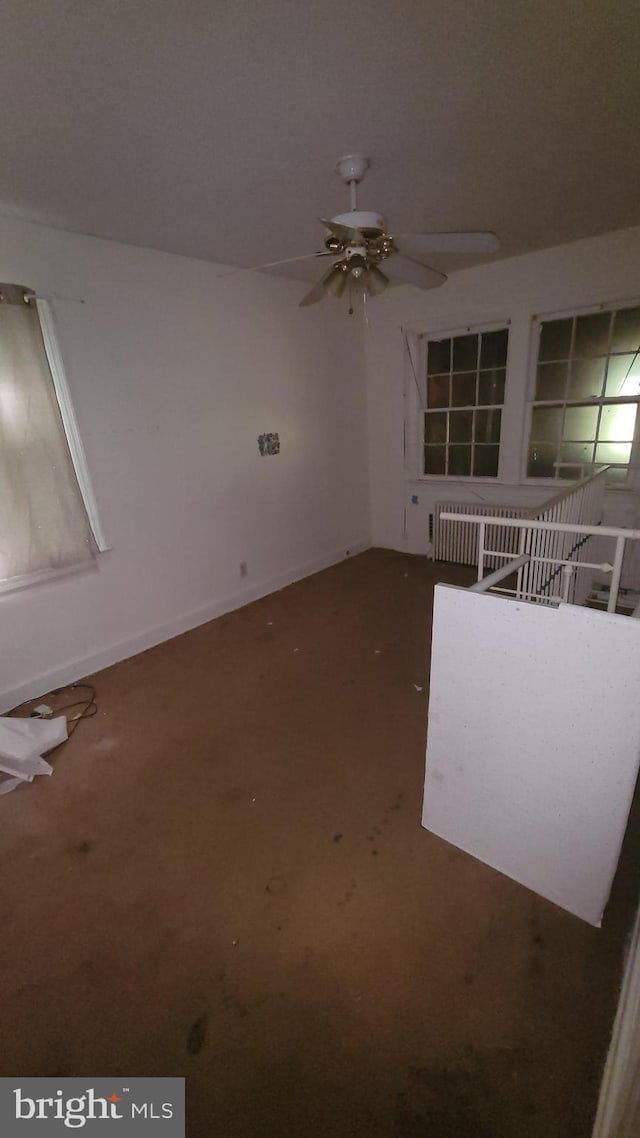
<point x="44" y="524"/>
<point x="465" y="394"/>
<point x="587" y="387"/>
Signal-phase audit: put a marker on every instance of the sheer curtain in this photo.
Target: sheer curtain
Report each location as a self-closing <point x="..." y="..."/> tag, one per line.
<point x="43" y="521"/>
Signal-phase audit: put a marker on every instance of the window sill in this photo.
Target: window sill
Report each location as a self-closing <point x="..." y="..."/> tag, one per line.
<point x="47" y="576"/>
<point x="457" y="480"/>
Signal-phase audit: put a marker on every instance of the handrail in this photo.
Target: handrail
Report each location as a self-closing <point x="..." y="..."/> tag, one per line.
<point x="499" y="574"/>
<point x="529" y="526"/>
<point x="581" y="502"/>
<point x="535" y="523"/>
<point x="555" y="499"/>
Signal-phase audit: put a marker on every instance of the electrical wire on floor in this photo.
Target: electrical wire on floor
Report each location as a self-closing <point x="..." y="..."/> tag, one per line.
<point x="87" y="704"/>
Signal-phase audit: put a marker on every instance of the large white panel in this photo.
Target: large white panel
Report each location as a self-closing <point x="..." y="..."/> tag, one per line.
<point x="534" y="740"/>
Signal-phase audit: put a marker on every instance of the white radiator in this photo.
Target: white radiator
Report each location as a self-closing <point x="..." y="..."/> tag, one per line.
<point x="458" y="541"/>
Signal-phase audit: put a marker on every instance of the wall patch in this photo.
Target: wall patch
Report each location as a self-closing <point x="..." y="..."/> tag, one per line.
<point x="269" y="443"/>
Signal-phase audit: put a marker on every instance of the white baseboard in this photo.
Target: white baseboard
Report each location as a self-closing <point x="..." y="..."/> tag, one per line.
<point x="74" y="670"/>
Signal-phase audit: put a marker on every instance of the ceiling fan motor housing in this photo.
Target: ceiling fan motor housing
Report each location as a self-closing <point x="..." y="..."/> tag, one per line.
<point x="364" y="220"/>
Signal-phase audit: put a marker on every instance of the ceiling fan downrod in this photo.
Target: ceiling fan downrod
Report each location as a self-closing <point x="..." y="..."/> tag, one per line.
<point x="352" y="169"/>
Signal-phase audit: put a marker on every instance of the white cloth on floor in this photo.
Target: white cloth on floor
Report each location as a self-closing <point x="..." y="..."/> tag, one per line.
<point x="22" y="745"/>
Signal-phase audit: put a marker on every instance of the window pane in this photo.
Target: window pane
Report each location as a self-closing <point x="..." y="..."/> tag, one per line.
<point x="541" y="459"/>
<point x="459" y="461"/>
<point x="551" y="381"/>
<point x="487" y="429"/>
<point x="460" y="426"/>
<point x="438" y="391"/>
<point x="623" y="376"/>
<point x="491" y="387"/>
<point x="592" y="335"/>
<point x="438" y="356"/>
<point x="580" y="423"/>
<point x="617" y="474"/>
<point x="485" y="461"/>
<point x="555" y="340"/>
<point x="465" y="353"/>
<point x="583" y="363"/>
<point x="434" y="460"/>
<point x="586" y="378"/>
<point x="613" y="452"/>
<point x="463" y="390"/>
<point x="456" y="384"/>
<point x="545" y="424"/>
<point x="626" y="330"/>
<point x="493" y="349"/>
<point x="617" y="423"/>
<point x="577" y="452"/>
<point x="435" y="427"/>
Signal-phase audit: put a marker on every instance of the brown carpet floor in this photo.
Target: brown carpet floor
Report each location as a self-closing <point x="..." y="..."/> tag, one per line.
<point x="226" y="878"/>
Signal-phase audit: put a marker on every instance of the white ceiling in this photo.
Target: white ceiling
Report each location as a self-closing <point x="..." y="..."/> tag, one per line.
<point x="211" y="127"/>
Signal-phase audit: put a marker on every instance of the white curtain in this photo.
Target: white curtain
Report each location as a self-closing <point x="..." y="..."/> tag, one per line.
<point x="43" y="521"/>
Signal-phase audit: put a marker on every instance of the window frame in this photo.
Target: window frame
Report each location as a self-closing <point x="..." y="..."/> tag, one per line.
<point x="632" y="480"/>
<point x="422" y="338"/>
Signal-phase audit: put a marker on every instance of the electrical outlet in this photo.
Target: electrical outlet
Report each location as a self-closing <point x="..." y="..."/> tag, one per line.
<point x="243" y="569"/>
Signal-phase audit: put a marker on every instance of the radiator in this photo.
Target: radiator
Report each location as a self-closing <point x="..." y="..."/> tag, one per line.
<point x="458" y="541"/>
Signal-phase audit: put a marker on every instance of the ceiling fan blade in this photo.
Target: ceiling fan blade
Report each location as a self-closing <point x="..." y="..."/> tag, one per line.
<point x="402" y="269"/>
<point x="315" y="293"/>
<point x="335" y="281"/>
<point x="416" y="244"/>
<point x="376" y="280"/>
<point x="274" y="264"/>
<point x="344" y="232"/>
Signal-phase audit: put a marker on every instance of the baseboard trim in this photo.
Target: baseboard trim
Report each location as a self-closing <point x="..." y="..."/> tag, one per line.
<point x="74" y="670"/>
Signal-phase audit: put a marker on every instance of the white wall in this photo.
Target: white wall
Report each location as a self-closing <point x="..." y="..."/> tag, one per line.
<point x="174" y="372"/>
<point x="533" y="742"/>
<point x="600" y="270"/>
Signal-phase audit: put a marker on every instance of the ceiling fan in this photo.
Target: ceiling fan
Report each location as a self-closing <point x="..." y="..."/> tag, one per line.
<point x="360" y="244"/>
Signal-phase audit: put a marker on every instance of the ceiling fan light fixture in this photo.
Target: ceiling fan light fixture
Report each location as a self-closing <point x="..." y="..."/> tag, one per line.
<point x="337" y="279"/>
<point x="376" y="280"/>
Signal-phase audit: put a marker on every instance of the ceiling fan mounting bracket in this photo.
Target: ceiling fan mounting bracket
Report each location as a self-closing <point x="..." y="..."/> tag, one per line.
<point x="352" y="168"/>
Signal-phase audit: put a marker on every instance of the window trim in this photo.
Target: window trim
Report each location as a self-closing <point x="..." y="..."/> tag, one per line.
<point x="630" y="485"/>
<point x="71" y="429"/>
<point x="44" y="577"/>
